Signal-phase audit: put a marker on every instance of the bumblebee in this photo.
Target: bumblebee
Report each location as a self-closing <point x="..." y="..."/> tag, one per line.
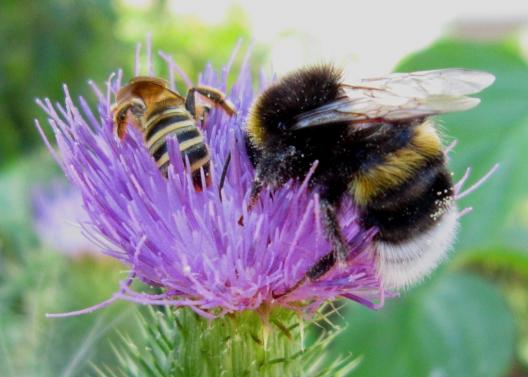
<point x="376" y="142"/>
<point x="148" y="104"/>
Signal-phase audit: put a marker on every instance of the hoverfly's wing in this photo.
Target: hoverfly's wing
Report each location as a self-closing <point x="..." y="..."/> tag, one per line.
<point x="149" y="80"/>
<point x="401" y="96"/>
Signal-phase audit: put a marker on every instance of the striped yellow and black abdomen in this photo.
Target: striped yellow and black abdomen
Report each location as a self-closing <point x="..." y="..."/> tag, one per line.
<point x="177" y="122"/>
<point x="409" y="191"/>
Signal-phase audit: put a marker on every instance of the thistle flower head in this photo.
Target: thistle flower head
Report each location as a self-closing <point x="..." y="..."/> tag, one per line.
<point x="191" y="243"/>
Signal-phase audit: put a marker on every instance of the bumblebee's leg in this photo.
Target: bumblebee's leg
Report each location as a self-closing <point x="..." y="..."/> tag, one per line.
<point x="335" y="237"/>
<point x="272" y="169"/>
<point x="339" y="247"/>
<point x="256" y="187"/>
<point x="333" y="229"/>
<point x="223" y="175"/>
<point x="319" y="269"/>
<point x="322" y="266"/>
<point x="215" y="96"/>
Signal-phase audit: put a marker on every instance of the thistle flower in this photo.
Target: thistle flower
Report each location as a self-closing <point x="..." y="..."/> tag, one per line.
<point x="57" y="212"/>
<point x="191" y="243"/>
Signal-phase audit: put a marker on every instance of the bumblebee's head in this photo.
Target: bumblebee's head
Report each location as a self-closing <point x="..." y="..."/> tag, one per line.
<point x="273" y="112"/>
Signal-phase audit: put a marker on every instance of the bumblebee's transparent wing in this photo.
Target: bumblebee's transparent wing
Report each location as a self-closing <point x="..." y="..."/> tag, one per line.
<point x="401" y="96"/>
<point x="453" y="81"/>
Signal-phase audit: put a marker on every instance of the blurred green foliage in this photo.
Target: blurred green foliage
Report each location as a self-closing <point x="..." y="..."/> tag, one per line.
<point x="44" y="44"/>
<point x="47" y="43"/>
<point x="190" y="42"/>
<point x="34" y="281"/>
<point x="456" y="326"/>
<point x="462" y="322"/>
<point x="33" y="345"/>
<point x="17" y="183"/>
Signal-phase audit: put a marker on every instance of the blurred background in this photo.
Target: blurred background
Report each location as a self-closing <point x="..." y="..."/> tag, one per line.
<point x="469" y="319"/>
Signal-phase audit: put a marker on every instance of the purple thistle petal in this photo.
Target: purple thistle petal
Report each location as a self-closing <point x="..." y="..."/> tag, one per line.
<point x="190" y="243"/>
<point x="475" y="186"/>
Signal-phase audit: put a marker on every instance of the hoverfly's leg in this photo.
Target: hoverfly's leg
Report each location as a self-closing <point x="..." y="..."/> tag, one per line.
<point x="223" y="175"/>
<point x="119" y="117"/>
<point x="121" y="129"/>
<point x="201" y="113"/>
<point x="339" y="251"/>
<point x="213" y="95"/>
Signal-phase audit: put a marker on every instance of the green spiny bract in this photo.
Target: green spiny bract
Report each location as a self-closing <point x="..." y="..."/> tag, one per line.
<point x="180" y="343"/>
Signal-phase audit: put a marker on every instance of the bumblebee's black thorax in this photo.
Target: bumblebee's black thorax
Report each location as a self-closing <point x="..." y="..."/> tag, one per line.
<point x="339" y="153"/>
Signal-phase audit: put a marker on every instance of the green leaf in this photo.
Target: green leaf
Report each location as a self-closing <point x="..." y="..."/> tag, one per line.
<point x="496" y="131"/>
<point x="455" y="326"/>
<point x="47" y="282"/>
<point x="511" y="260"/>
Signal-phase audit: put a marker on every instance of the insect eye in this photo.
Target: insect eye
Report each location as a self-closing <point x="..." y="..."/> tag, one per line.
<point x="137" y="109"/>
<point x="122" y="116"/>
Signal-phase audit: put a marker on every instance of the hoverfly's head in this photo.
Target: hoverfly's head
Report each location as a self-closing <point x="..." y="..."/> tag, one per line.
<point x="128" y="110"/>
<point x="141" y="95"/>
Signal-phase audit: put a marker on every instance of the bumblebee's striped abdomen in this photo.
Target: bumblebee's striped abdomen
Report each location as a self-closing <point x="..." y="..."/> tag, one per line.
<point x="176" y="121"/>
<point x="402" y="212"/>
<point x="408" y="190"/>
